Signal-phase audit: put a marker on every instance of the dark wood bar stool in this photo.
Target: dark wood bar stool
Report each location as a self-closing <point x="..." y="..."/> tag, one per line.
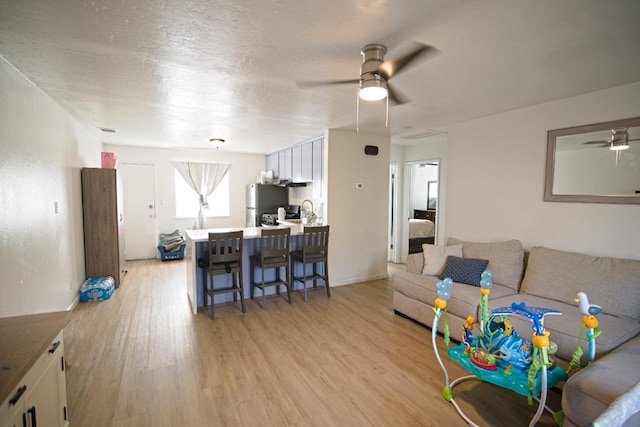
<point x="225" y="257"/>
<point x="274" y="253"/>
<point x="315" y="250"/>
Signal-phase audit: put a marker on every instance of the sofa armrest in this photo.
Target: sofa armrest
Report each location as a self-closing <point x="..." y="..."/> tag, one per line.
<point x="620" y="409"/>
<point x="415" y="263"/>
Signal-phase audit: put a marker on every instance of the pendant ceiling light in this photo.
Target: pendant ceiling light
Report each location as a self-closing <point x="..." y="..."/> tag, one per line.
<point x="373" y="86"/>
<point x="373" y="81"/>
<point x="217" y="142"/>
<point x="619" y="140"/>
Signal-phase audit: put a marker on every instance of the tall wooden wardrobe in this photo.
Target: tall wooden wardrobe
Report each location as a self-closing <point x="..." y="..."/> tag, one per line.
<point x="103" y="224"/>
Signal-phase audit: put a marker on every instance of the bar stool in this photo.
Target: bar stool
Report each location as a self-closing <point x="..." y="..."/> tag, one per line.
<point x="274" y="253"/>
<point x="225" y="257"/>
<point x="315" y="250"/>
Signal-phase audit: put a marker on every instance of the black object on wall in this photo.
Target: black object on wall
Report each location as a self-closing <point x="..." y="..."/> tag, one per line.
<point x="371" y="150"/>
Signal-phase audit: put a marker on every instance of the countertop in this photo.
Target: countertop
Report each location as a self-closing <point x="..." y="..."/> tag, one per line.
<point x="24" y="339"/>
<point x="248" y="232"/>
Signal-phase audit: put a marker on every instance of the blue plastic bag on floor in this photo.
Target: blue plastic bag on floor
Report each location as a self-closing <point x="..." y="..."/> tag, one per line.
<point x="97" y="288"/>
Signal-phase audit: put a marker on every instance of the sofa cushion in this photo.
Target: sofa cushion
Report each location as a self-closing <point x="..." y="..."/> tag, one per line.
<point x="415" y="263"/>
<point x="506" y="259"/>
<point x="464" y="270"/>
<point x="612" y="283"/>
<point x="464" y="299"/>
<point x="565" y="328"/>
<point x="435" y="257"/>
<point x="589" y="392"/>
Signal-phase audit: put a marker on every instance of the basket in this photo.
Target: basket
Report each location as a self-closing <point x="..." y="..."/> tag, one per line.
<point x="171" y="255"/>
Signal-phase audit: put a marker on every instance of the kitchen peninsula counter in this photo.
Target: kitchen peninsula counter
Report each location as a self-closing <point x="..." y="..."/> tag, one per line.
<point x="247" y="232"/>
<point x="24" y="339"/>
<point x="197" y="241"/>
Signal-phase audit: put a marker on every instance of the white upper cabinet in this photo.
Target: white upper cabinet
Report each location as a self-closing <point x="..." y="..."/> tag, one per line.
<point x="272" y="163"/>
<point x="300" y="163"/>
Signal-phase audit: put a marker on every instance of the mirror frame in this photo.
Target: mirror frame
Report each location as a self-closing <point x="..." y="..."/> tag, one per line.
<point x="552" y="136"/>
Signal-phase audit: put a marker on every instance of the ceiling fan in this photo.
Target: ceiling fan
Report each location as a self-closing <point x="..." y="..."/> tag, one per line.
<point x="375" y="72"/>
<point x="619" y="140"/>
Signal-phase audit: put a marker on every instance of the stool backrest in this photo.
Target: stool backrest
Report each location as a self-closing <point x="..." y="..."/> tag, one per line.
<point x="316" y="240"/>
<point x="225" y="246"/>
<point x="274" y="242"/>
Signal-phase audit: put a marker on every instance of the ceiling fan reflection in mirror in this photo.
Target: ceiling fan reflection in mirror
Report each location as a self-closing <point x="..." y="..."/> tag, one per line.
<point x="618" y="141"/>
<point x="375" y="73"/>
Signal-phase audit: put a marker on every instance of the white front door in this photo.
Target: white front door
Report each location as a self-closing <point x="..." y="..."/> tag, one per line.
<point x="138" y="184"/>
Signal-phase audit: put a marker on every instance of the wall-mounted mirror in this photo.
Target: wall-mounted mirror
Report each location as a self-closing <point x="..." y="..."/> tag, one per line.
<point x="432" y="195"/>
<point x="597" y="163"/>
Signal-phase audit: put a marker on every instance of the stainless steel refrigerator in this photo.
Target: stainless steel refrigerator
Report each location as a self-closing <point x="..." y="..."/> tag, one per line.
<point x="264" y="198"/>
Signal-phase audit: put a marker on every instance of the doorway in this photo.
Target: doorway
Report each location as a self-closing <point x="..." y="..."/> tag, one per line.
<point x="138" y="184"/>
<point x="421" y="203"/>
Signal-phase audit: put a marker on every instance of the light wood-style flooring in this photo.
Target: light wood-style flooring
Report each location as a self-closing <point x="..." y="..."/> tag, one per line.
<point x="142" y="359"/>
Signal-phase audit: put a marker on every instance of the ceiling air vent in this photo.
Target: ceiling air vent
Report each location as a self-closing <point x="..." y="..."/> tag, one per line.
<point x="417" y="133"/>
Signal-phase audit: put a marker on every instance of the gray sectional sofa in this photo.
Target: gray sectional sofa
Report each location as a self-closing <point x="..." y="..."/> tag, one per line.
<point x="551" y="279"/>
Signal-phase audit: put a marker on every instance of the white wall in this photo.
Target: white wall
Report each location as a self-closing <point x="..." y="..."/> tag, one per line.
<point x="245" y="169"/>
<point x="41" y="153"/>
<point x="495" y="179"/>
<point x="358" y="218"/>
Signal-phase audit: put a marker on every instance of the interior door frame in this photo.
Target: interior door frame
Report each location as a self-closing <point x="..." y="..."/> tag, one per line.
<point x="393" y="249"/>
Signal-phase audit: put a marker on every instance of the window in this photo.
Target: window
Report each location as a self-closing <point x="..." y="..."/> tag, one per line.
<point x="187" y="201"/>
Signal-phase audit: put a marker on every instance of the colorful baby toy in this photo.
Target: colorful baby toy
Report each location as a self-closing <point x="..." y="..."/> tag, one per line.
<point x="499" y="355"/>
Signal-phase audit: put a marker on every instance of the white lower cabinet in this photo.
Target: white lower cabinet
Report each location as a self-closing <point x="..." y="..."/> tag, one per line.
<point x="18" y="420"/>
<point x="40" y="399"/>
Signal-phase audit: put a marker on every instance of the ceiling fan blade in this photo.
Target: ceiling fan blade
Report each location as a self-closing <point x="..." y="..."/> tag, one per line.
<point x="418" y="51"/>
<point x="396" y="97"/>
<point x="596" y="142"/>
<point x="316" y="83"/>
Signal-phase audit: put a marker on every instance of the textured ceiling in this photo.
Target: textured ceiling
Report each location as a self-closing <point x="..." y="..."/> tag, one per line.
<point x="176" y="73"/>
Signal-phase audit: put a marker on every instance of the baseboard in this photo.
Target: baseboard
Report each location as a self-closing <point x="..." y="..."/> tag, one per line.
<point x="75" y="302"/>
<point x="398" y="313"/>
<point x="353" y="281"/>
<point x="427" y="327"/>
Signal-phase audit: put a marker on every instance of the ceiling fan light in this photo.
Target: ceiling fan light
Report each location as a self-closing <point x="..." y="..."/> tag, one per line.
<point x="618" y="147"/>
<point x="373" y="89"/>
<point x="619" y="140"/>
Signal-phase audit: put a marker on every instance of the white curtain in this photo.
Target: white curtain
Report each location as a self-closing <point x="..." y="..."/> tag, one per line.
<point x="203" y="178"/>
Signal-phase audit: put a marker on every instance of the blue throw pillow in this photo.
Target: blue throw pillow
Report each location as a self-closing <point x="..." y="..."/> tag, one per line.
<point x="464" y="270"/>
